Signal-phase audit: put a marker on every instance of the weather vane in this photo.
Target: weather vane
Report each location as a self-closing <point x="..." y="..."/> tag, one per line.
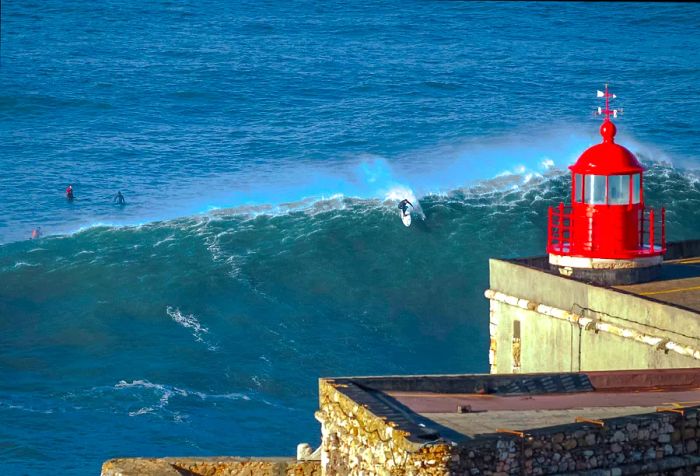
<point x="607" y="111"/>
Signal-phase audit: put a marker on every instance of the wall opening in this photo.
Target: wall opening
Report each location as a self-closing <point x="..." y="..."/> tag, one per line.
<point x="516" y="346"/>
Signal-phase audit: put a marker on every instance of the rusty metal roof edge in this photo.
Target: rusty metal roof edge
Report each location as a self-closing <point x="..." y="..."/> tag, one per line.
<point x="497" y="384"/>
<point x="500" y="384"/>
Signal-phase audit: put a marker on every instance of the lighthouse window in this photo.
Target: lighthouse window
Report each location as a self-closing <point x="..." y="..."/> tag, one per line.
<point x="594" y="190"/>
<point x="636" y="187"/>
<point x="578" y="187"/>
<point x="619" y="192"/>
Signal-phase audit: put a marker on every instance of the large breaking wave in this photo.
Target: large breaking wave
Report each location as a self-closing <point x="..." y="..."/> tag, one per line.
<point x="251" y="305"/>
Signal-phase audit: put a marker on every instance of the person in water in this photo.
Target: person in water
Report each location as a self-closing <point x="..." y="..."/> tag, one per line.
<point x="69" y="192"/>
<point x="403" y="206"/>
<point x="119" y="198"/>
<point x="36" y="233"/>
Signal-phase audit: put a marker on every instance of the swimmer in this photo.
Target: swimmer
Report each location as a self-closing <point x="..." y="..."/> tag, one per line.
<point x="119" y="199"/>
<point x="69" y="193"/>
<point x="36" y="233"/>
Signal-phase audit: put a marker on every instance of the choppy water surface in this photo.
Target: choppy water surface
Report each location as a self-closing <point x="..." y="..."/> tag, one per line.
<point x="262" y="147"/>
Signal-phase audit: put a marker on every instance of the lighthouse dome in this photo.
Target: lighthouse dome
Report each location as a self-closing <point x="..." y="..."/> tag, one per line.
<point x="607" y="158"/>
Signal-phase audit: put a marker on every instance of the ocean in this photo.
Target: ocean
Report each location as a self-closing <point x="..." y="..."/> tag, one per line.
<point x="262" y="148"/>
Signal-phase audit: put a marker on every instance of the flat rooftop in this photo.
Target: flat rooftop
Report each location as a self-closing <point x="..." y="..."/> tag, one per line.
<point x="488" y="414"/>
<point x="462" y="408"/>
<point x="679" y="284"/>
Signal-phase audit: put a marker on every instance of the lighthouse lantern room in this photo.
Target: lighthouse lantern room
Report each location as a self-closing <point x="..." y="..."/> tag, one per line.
<point x="607" y="235"/>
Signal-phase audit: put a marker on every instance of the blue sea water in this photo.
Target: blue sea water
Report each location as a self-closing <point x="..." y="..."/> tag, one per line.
<point x="261" y="147"/>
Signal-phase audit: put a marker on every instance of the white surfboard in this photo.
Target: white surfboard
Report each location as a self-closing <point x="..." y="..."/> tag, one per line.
<point x="406" y="219"/>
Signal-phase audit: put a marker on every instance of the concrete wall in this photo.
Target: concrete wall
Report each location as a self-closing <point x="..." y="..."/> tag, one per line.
<point x="549" y="344"/>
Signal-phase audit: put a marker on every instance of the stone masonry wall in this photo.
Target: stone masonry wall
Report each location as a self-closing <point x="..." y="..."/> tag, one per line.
<point x="653" y="443"/>
<point x="357" y="442"/>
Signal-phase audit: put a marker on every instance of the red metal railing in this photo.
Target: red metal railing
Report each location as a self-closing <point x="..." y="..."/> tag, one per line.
<point x="559" y="229"/>
<point x="560" y="235"/>
<point x="652" y="229"/>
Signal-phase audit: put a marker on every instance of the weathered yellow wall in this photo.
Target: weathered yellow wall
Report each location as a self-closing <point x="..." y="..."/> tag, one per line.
<point x="203" y="466"/>
<point x="610" y="339"/>
<point x="546" y="344"/>
<point x="540" y="287"/>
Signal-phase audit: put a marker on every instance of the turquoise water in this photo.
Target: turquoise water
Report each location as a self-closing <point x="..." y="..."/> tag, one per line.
<point x="262" y="148"/>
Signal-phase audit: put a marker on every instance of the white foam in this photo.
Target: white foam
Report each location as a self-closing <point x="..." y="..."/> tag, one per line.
<point x="189" y="321"/>
<point x="141" y="384"/>
<point x="165" y="393"/>
<point x="413" y="175"/>
<point x="24" y="264"/>
<point x="24" y="409"/>
<point x="223" y="396"/>
<point x="164" y="240"/>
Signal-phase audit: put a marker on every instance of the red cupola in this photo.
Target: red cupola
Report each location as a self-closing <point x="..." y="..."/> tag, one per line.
<point x="607" y="235"/>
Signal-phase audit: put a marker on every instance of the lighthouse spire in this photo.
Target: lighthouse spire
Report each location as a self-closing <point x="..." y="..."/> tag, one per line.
<point x="607" y="111"/>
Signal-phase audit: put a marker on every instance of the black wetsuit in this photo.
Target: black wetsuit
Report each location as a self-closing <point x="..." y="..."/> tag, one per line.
<point x="403" y="206"/>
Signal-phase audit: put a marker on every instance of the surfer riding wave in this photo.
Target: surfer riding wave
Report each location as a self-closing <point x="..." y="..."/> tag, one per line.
<point x="403" y="206"/>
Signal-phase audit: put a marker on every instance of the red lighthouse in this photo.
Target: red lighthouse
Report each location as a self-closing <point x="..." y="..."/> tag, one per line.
<point x="607" y="235"/>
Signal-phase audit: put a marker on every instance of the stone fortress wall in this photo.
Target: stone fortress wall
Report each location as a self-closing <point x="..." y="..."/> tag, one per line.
<point x="357" y="439"/>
